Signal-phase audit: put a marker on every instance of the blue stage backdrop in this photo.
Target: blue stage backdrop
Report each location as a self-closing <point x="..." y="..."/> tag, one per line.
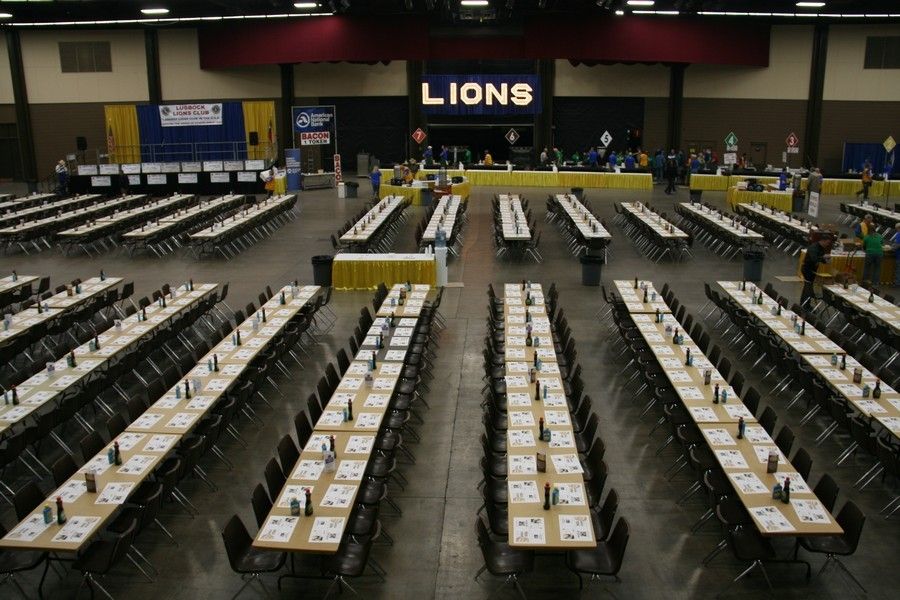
<point x="481" y="94"/>
<point x="855" y="155"/>
<point x="211" y="142"/>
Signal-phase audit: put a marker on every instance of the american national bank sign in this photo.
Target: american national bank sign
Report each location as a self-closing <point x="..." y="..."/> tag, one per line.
<point x="481" y="95"/>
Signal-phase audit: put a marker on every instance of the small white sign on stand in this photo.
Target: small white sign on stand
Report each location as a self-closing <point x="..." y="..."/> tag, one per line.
<point x="813" y="204"/>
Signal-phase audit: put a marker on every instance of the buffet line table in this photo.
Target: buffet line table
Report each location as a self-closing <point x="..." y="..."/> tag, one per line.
<point x="351" y="271"/>
<point x="567" y="179"/>
<point x="830" y="186"/>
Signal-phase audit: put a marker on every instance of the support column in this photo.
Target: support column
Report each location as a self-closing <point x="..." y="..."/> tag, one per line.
<point x="676" y="106"/>
<point x="543" y="121"/>
<point x="417" y="117"/>
<point x="286" y="133"/>
<point x="814" y="102"/>
<point x="154" y="83"/>
<point x="24" y="130"/>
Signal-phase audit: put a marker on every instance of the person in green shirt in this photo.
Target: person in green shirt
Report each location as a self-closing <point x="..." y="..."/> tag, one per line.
<point x="873" y="245"/>
<point x="467" y="157"/>
<point x="558" y="154"/>
<point x="576" y="158"/>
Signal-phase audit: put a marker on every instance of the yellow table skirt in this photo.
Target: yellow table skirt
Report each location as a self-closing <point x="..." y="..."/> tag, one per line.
<point x="415" y="193"/>
<point x="367" y="274"/>
<point x="712" y="183"/>
<point x="830" y="187"/>
<point x="838" y="264"/>
<point x="280" y="186"/>
<point x="774" y="200"/>
<point x="616" y="181"/>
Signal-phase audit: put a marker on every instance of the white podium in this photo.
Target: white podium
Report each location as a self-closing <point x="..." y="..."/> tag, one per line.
<point x="440" y="266"/>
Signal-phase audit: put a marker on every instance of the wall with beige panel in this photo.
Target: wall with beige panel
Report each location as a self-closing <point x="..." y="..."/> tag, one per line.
<point x="183" y="79"/>
<point x="845" y="77"/>
<point x="47" y="84"/>
<point x="350" y="79"/>
<point x="650" y="81"/>
<point x="6" y="92"/>
<point x="786" y="77"/>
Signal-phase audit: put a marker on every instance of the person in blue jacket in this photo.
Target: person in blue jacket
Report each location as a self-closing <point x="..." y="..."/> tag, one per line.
<point x="592" y="157"/>
<point x="629" y="161"/>
<point x="428" y="156"/>
<point x="613" y="159"/>
<point x="783" y="179"/>
<point x="445" y="156"/>
<point x="375" y="177"/>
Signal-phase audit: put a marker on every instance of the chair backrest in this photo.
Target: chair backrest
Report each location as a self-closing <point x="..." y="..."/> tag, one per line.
<point x="315" y="409"/>
<point x="827" y="491"/>
<point x="287" y="453"/>
<point x="261" y="504"/>
<point x="751" y="400"/>
<point x="851" y="519"/>
<point x="115" y="425"/>
<point x="237" y="541"/>
<point x="724" y="367"/>
<point x="714" y="354"/>
<point x="303" y="428"/>
<point x="343" y="361"/>
<point x="803" y="463"/>
<point x="767" y="419"/>
<point x="737" y="382"/>
<point x="332" y="376"/>
<point x="785" y="440"/>
<point x="617" y="543"/>
<point x="27" y="499"/>
<point x="607" y="513"/>
<point x="275" y="478"/>
<point x="62" y="469"/>
<point x="91" y="444"/>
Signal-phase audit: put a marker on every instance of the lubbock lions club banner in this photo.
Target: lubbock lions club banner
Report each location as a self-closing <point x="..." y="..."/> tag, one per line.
<point x="190" y="115"/>
<point x="314" y="125"/>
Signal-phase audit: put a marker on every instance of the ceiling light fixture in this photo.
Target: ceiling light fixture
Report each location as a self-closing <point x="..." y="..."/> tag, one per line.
<point x="620" y="12"/>
<point x="810" y="4"/>
<point x="306" y="5"/>
<point x="640" y="2"/>
<point x="474" y="2"/>
<point x="155" y="11"/>
<point x="5" y="15"/>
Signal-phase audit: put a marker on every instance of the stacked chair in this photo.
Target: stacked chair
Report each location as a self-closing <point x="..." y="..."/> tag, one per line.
<point x="501" y="560"/>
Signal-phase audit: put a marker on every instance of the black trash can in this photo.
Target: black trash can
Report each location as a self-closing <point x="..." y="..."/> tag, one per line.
<point x="351" y="188"/>
<point x="696" y="195"/>
<point x="590" y="269"/>
<point x="322" y="269"/>
<point x="578" y="193"/>
<point x="753" y="263"/>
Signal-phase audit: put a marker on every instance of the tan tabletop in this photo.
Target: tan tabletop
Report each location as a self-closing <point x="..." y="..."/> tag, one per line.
<point x="880" y="309"/>
<point x="812" y="341"/>
<point x="57" y="205"/>
<point x="661" y="227"/>
<point x="90" y="288"/>
<point x="776" y="216"/>
<point x="586" y="223"/>
<point x="47" y="386"/>
<point x="266" y="206"/>
<point x="688" y="381"/>
<point x="722" y="222"/>
<point x="87" y="512"/>
<point x="512" y="218"/>
<point x="110" y="221"/>
<point x="23" y="322"/>
<point x="412" y="305"/>
<point x="7" y="284"/>
<point x="744" y="462"/>
<point x="171" y="220"/>
<point x="865" y="208"/>
<point x="78" y="213"/>
<point x="568" y="524"/>
<point x="886" y="409"/>
<point x="370" y="222"/>
<point x="634" y="298"/>
<point x="182" y="407"/>
<point x="444" y="215"/>
<point x="322" y="531"/>
<point x="370" y="399"/>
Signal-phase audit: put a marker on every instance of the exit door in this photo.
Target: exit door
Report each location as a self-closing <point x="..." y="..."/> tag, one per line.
<point x="758" y="152"/>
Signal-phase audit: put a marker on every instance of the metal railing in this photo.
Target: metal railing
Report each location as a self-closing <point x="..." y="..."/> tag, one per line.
<point x="180" y="152"/>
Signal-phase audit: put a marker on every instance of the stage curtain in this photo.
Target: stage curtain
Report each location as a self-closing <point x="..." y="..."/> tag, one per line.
<point x="208" y="142"/>
<point x="123" y="138"/>
<point x="259" y="116"/>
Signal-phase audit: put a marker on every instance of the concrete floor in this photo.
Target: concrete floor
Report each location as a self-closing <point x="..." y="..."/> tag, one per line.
<point x="435" y="554"/>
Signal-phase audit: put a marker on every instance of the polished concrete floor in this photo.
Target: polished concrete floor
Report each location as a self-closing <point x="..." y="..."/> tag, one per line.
<point x="435" y="553"/>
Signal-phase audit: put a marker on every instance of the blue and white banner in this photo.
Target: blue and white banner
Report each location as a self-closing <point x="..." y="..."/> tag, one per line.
<point x="314" y="125"/>
<point x="481" y="94"/>
<point x="292" y="165"/>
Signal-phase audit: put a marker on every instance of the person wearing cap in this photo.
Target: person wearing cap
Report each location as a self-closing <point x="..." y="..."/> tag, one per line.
<point x="816" y="254"/>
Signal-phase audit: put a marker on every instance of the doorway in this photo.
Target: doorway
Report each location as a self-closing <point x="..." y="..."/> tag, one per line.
<point x="758" y="155"/>
<point x="10" y="164"/>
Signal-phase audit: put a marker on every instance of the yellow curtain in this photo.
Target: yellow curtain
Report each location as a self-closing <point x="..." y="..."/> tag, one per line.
<point x="123" y="139"/>
<point x="259" y="116"/>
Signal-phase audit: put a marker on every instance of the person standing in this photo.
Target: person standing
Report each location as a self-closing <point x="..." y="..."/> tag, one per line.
<point x="428" y="157"/>
<point x="629" y="162"/>
<point x="866" y="178"/>
<point x="862" y="229"/>
<point x="873" y="246"/>
<point x="643" y="159"/>
<point x="445" y="156"/>
<point x="488" y="159"/>
<point x="816" y="254"/>
<point x="814" y="183"/>
<point x="544" y="156"/>
<point x="375" y="177"/>
<point x="671" y="171"/>
<point x="558" y="154"/>
<point x="62" y="178"/>
<point x="895" y="244"/>
<point x="612" y="160"/>
<point x="592" y="157"/>
<point x="467" y="157"/>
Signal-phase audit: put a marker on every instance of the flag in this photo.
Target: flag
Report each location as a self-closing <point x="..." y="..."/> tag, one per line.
<point x="110" y="139"/>
<point x="271" y="134"/>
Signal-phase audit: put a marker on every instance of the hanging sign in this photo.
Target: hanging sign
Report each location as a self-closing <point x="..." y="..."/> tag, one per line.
<point x="190" y="115"/>
<point x="479" y="94"/>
